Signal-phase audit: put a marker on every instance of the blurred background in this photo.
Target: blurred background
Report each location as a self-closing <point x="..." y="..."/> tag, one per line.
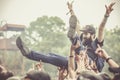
<point x="43" y="25"/>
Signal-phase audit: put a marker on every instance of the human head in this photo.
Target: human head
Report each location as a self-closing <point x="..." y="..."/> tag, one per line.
<point x="88" y="34"/>
<point x="89" y="29"/>
<point x="37" y="75"/>
<point x="89" y="75"/>
<point x="4" y="73"/>
<point x="104" y="76"/>
<point x="14" y="78"/>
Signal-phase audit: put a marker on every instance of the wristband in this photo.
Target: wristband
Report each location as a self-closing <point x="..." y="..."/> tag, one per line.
<point x="71" y="10"/>
<point x="108" y="59"/>
<point x="106" y="15"/>
<point x="70" y="56"/>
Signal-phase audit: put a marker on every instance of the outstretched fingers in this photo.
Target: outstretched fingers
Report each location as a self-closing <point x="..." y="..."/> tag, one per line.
<point x="109" y="8"/>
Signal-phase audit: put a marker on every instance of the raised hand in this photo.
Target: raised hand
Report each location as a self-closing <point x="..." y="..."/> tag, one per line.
<point x="70" y="8"/>
<point x="62" y="73"/>
<point x="109" y="8"/>
<point x="69" y="5"/>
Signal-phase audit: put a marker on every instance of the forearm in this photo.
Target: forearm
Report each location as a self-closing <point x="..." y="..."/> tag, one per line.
<point x="102" y="24"/>
<point x="111" y="62"/>
<point x="71" y="60"/>
<point x="101" y="28"/>
<point x="71" y="66"/>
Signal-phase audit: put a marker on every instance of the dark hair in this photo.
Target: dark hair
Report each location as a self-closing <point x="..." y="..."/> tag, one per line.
<point x="37" y="75"/>
<point x="105" y="76"/>
<point x="4" y="76"/>
<point x="116" y="72"/>
<point x="85" y="75"/>
<point x="116" y="76"/>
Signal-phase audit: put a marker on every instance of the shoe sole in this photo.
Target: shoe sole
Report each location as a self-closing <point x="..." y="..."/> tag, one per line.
<point x="72" y="28"/>
<point x="19" y="44"/>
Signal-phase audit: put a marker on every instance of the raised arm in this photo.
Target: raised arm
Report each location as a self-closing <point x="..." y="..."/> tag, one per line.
<point x="71" y="63"/>
<point x="109" y="9"/>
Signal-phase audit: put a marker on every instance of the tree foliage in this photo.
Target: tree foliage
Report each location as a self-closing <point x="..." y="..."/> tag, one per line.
<point x="47" y="34"/>
<point x="112" y="46"/>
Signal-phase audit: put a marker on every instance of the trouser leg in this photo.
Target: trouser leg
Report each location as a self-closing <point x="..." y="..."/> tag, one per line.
<point x="55" y="60"/>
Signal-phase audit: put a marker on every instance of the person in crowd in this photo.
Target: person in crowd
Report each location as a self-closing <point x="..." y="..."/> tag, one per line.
<point x="79" y="67"/>
<point x="37" y="75"/>
<point x="103" y="54"/>
<point x="78" y="62"/>
<point x="50" y="58"/>
<point x="88" y="75"/>
<point x="4" y="73"/>
<point x="113" y="66"/>
<point x="39" y="66"/>
<point x="15" y="78"/>
<point x="62" y="73"/>
<point x="87" y="34"/>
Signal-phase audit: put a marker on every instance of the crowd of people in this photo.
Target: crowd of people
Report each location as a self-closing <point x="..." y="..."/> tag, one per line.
<point x="85" y="60"/>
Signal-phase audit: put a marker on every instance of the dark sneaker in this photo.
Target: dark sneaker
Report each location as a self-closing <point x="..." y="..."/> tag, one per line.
<point x="24" y="50"/>
<point x="72" y="28"/>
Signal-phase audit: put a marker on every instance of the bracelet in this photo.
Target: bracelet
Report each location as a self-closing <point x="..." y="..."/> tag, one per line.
<point x="71" y="10"/>
<point x="106" y="15"/>
<point x="108" y="59"/>
<point x="70" y="56"/>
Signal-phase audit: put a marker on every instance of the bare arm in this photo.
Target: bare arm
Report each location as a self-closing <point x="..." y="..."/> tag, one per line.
<point x="109" y="9"/>
<point x="71" y="63"/>
<point x="102" y="53"/>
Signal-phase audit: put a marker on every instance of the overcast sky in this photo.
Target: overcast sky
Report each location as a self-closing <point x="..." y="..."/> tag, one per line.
<point x="87" y="11"/>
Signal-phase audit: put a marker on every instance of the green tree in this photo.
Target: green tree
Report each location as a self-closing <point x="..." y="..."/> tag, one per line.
<point x="47" y="34"/>
<point x="112" y="45"/>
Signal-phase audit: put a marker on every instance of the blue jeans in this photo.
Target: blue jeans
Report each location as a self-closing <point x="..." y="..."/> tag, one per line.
<point x="51" y="58"/>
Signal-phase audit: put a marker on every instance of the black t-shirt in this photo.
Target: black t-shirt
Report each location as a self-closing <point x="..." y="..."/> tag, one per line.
<point x="91" y="48"/>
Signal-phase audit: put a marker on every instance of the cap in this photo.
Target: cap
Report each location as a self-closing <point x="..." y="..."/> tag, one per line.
<point x="89" y="28"/>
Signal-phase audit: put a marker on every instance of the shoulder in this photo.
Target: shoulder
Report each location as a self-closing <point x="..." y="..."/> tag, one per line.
<point x="95" y="42"/>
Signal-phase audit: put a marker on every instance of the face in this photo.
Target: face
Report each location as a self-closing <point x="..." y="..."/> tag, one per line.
<point x="87" y="38"/>
<point x="86" y="35"/>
